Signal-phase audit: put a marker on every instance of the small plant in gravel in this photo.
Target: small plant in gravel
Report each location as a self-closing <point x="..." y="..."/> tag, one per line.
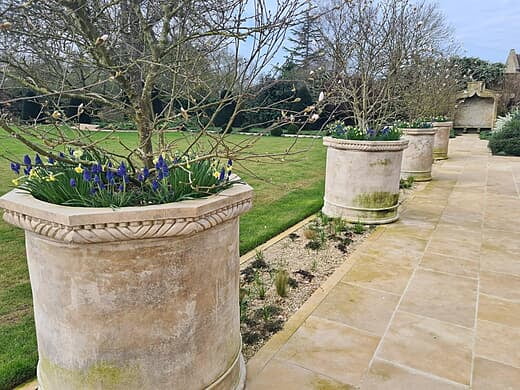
<point x="260" y="286"/>
<point x="359" y="228"/>
<point x="338" y="226"/>
<point x="310" y="234"/>
<point x="281" y="282"/>
<point x="244" y="303"/>
<point x="407" y="183"/>
<point x="259" y="262"/>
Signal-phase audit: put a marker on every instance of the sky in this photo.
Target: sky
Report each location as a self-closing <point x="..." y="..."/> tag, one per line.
<point x="485" y="28"/>
<point x="488" y="29"/>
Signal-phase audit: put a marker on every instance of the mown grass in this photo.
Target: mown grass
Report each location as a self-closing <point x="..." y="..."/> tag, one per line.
<point x="285" y="193"/>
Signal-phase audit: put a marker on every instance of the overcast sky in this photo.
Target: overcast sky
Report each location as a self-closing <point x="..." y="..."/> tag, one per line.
<point x="486" y="28"/>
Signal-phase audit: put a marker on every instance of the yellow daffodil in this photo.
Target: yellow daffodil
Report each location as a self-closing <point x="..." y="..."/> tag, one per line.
<point x="51" y="177"/>
<point x="216" y="174"/>
<point x="16" y="182"/>
<point x="33" y="173"/>
<point x="78" y="169"/>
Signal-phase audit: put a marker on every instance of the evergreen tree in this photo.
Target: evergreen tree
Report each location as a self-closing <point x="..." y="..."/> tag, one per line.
<point x="304" y="51"/>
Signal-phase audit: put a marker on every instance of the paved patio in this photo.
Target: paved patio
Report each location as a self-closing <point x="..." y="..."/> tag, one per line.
<point x="430" y="302"/>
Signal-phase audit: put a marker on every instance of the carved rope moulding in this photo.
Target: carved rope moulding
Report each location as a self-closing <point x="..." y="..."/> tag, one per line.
<point x="123" y="231"/>
<point x="368" y="146"/>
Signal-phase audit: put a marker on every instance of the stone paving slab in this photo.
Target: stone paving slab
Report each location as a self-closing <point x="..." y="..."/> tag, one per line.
<point x="429" y="302"/>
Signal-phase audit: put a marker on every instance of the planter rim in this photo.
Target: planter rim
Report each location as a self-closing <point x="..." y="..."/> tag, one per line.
<point x="365" y="146"/>
<point x="442" y="124"/>
<point x="420" y="131"/>
<point x="90" y="224"/>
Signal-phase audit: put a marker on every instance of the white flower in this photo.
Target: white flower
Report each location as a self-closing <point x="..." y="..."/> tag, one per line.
<point x="311" y="72"/>
<point x="56" y="115"/>
<point x="77" y="153"/>
<point x="102" y="39"/>
<point x="420" y="23"/>
<point x="291" y="118"/>
<point x="321" y="97"/>
<point x="314" y="117"/>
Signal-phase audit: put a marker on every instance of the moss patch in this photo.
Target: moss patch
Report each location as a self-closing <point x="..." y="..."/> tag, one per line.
<point x="383" y="163"/>
<point x="100" y="375"/>
<point x="376" y="200"/>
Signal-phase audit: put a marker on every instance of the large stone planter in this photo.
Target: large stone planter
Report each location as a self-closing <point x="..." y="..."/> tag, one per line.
<point x="362" y="180"/>
<point x="137" y="297"/>
<point x="442" y="139"/>
<point x="418" y="157"/>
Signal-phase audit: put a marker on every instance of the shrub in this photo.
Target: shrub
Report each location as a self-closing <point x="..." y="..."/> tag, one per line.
<point x="276" y="132"/>
<point x="507" y="141"/>
<point x="292" y="128"/>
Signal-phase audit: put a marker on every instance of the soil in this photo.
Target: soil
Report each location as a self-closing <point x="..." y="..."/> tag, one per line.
<point x="299" y="264"/>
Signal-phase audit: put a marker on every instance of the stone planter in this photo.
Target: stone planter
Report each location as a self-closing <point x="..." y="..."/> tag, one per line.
<point x="137" y="297"/>
<point x="418" y="157"/>
<point x="442" y="139"/>
<point x="362" y="180"/>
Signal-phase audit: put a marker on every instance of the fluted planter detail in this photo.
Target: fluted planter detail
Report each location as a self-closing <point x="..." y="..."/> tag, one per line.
<point x="362" y="180"/>
<point x="418" y="157"/>
<point x="442" y="139"/>
<point x="136" y="297"/>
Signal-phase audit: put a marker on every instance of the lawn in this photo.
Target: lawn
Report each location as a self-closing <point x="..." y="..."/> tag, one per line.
<point x="285" y="193"/>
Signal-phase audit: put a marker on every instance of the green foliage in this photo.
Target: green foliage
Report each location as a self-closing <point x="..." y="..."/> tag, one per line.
<point x="339" y="130"/>
<point x="358" y="228"/>
<point x="31" y="109"/>
<point x="260" y="286"/>
<point x="506" y="141"/>
<point x="276" y="132"/>
<point x="406" y="183"/>
<point x="471" y="68"/>
<point x="281" y="282"/>
<point x="95" y="181"/>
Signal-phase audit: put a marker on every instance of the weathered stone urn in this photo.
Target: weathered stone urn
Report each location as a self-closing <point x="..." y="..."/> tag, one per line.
<point x="418" y="156"/>
<point x="442" y="139"/>
<point x="136" y="297"/>
<point x="362" y="180"/>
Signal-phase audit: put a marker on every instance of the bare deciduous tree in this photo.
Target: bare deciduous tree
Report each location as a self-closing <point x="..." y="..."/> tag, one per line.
<point x="371" y="48"/>
<point x="162" y="64"/>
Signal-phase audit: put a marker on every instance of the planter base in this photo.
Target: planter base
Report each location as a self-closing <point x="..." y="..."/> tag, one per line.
<point x="440" y="156"/>
<point x="234" y="378"/>
<point x="417" y="176"/>
<point x="366" y="216"/>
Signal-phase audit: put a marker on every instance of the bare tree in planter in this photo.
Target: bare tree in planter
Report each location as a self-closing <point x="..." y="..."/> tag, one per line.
<point x="370" y="46"/>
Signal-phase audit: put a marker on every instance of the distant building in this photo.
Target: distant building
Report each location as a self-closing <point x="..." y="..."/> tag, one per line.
<point x="511" y="90"/>
<point x="512" y="63"/>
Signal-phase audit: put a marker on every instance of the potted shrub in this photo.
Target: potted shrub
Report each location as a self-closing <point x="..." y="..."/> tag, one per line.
<point x="443" y="127"/>
<point x="362" y="173"/>
<point x="418" y="157"/>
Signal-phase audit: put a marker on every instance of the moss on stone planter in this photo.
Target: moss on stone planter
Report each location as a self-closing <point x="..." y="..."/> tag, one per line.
<point x="102" y="374"/>
<point x="376" y="200"/>
<point x="383" y="163"/>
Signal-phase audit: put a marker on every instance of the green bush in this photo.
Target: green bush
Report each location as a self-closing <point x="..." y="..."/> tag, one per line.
<point x="292" y="128"/>
<point x="276" y="132"/>
<point x="506" y="141"/>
